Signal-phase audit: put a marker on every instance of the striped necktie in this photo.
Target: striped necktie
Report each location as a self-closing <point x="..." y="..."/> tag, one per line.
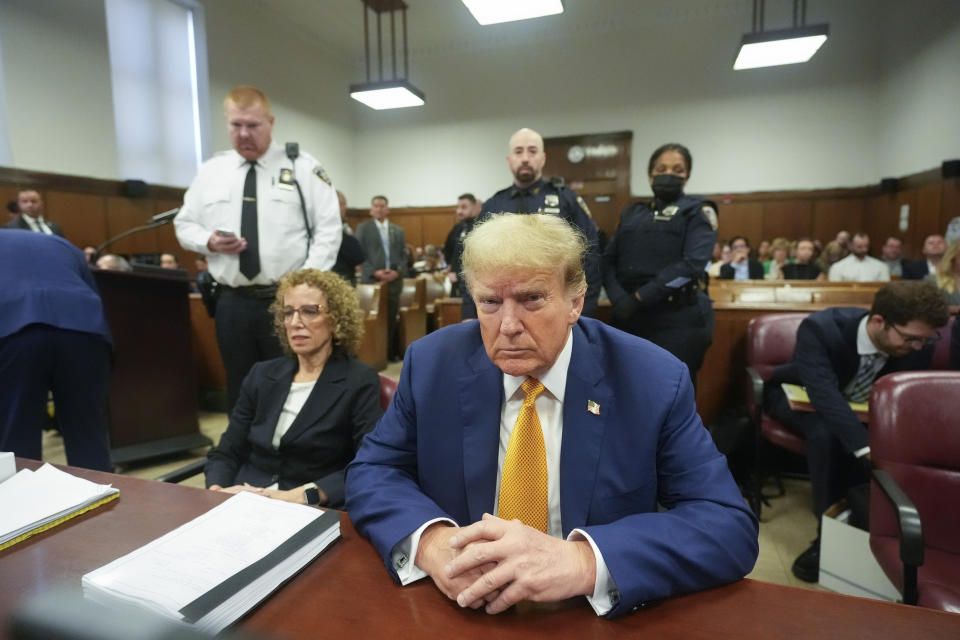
<point x="523" y="483"/>
<point x="859" y="389"/>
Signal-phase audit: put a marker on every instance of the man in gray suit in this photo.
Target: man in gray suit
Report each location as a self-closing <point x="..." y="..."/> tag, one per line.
<point x="30" y="205"/>
<point x="385" y="247"/>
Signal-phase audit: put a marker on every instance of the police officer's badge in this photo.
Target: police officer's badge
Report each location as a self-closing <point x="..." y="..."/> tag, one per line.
<point x="670" y="211"/>
<point x="583" y="205"/>
<point x="551" y="200"/>
<point x="322" y="174"/>
<point x="285" y="181"/>
<point x="711" y="215"/>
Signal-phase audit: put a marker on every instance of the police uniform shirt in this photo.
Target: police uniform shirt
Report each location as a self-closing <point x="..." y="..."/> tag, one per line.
<point x="544" y="197"/>
<point x="657" y="252"/>
<point x="213" y="202"/>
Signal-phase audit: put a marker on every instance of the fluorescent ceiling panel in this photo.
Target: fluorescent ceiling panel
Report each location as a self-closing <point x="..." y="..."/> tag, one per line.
<point x="386" y="98"/>
<point x="774" y="48"/>
<point x="496" y="11"/>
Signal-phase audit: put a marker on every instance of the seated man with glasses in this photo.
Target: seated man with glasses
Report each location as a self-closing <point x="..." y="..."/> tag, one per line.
<point x="839" y="353"/>
<point x="300" y="418"/>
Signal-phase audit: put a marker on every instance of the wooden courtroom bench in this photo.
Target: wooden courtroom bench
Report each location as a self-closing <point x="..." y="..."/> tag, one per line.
<point x="412" y="324"/>
<point x="373" y="348"/>
<point x="434" y="292"/>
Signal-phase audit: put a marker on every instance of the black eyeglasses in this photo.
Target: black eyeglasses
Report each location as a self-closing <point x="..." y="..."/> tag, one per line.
<point x="909" y="339"/>
<point x="308" y="313"/>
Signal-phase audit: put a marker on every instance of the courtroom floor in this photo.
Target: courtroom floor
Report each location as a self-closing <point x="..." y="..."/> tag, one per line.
<point x="787" y="528"/>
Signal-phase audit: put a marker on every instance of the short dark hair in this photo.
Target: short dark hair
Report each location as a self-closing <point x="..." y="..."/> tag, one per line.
<point x="384" y="198"/>
<point x="735" y="238"/>
<point x="891" y="237"/>
<point x="905" y="300"/>
<point x="671" y="146"/>
<point x="468" y="196"/>
<point x="861" y="234"/>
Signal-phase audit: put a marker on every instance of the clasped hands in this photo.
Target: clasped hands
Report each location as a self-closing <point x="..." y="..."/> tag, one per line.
<point x="386" y="275"/>
<point x="496" y="563"/>
<point x="289" y="495"/>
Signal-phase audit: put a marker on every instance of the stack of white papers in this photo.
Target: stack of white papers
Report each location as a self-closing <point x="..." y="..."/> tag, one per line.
<point x="33" y="501"/>
<point x="215" y="568"/>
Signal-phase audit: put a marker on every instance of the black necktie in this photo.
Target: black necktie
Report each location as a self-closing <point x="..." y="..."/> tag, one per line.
<point x="250" y="258"/>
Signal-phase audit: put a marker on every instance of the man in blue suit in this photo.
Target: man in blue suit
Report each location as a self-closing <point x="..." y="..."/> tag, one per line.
<point x="53" y="336"/>
<point x="616" y="435"/>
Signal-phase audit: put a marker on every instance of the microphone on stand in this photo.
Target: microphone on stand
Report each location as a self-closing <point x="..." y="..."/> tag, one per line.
<point x="166" y="216"/>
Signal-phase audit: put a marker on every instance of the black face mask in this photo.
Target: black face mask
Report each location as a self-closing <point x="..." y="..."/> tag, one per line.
<point x="667" y="187"/>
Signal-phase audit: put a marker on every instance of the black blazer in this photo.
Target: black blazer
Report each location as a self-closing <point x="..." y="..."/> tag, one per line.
<point x="20" y="223"/>
<point x="915" y="269"/>
<point x="824" y="361"/>
<point x="754" y="267"/>
<point x="343" y="406"/>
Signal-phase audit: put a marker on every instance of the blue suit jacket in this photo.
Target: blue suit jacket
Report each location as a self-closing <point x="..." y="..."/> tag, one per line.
<point x="434" y="454"/>
<point x="46" y="280"/>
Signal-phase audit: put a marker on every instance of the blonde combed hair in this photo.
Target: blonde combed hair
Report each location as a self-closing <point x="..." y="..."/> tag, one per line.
<point x="526" y="242"/>
<point x="344" y="315"/>
<point x="245" y="96"/>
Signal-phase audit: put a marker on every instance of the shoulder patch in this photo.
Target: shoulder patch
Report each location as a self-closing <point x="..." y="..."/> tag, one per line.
<point x="711" y="215"/>
<point x="583" y="205"/>
<point x="322" y="174"/>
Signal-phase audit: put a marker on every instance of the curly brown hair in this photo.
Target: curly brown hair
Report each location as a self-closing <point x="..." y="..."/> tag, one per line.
<point x="343" y="310"/>
<point x="904" y="300"/>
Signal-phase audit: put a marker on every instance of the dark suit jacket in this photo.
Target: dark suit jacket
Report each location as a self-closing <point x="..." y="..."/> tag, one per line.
<point x="434" y="455"/>
<point x="46" y="280"/>
<point x="825" y="360"/>
<point x="349" y="257"/>
<point x="915" y="269"/>
<point x="20" y="223"/>
<point x="754" y="267"/>
<point x="343" y="406"/>
<point x="369" y="237"/>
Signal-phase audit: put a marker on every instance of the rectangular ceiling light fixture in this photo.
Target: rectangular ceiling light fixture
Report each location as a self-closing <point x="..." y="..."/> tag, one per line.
<point x="787" y="46"/>
<point x="393" y="94"/>
<point x="497" y="11"/>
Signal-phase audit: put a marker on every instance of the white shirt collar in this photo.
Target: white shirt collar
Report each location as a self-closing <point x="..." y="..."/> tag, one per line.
<point x="865" y="345"/>
<point x="554" y="380"/>
<point x="382" y="224"/>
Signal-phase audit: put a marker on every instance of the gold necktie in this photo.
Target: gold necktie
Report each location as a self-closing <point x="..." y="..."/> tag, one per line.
<point x="523" y="484"/>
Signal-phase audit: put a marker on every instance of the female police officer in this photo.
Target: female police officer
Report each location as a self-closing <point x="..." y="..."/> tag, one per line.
<point x="653" y="267"/>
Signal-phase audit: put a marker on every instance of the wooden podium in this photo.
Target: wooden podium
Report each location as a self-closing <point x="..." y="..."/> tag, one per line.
<point x="152" y="408"/>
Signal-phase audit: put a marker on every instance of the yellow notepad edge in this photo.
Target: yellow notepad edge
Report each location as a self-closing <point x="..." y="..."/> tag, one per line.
<point x="799" y="394"/>
<point x="53" y="523"/>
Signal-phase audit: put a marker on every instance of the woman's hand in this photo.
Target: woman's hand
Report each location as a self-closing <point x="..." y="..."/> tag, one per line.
<point x="296" y="495"/>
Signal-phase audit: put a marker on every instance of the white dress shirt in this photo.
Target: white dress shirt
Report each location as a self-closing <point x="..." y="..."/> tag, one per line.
<point x="550" y="411"/>
<point x="213" y="202"/>
<point x="854" y="269"/>
<point x="37" y="224"/>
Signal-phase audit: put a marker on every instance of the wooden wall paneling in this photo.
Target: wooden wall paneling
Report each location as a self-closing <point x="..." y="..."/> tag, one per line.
<point x="927" y="216"/>
<point x="412" y="225"/>
<point x="912" y="240"/>
<point x="743" y="219"/>
<point x="831" y="215"/>
<point x="787" y="218"/>
<point x="949" y="202"/>
<point x="124" y="214"/>
<point x="7" y="193"/>
<point x="881" y="219"/>
<point x="436" y="227"/>
<point x="82" y="216"/>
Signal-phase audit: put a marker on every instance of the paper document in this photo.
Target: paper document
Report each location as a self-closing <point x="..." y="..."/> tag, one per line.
<point x="213" y="569"/>
<point x="33" y="501"/>
<point x="796" y="393"/>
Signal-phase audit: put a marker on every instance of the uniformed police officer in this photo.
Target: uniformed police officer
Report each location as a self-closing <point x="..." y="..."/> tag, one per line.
<point x="467" y="211"/>
<point x="257" y="212"/>
<point x="653" y="267"/>
<point x="530" y="193"/>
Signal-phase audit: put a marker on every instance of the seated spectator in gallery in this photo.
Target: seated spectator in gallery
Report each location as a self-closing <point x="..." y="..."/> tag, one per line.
<point x="947" y="275"/>
<point x="779" y="257"/>
<point x="859" y="266"/>
<point x="833" y="253"/>
<point x="300" y="418"/>
<point x="723" y="257"/>
<point x="741" y="266"/>
<point x="113" y="262"/>
<point x="764" y="251"/>
<point x="169" y="261"/>
<point x="933" y="248"/>
<point x="892" y="255"/>
<point x="431" y="260"/>
<point x="803" y="267"/>
<point x="843" y="239"/>
<point x="90" y="253"/>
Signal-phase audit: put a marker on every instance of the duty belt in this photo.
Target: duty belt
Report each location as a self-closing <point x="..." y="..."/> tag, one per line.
<point x="254" y="291"/>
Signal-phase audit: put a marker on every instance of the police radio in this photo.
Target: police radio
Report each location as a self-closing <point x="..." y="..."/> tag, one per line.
<point x="293" y="152"/>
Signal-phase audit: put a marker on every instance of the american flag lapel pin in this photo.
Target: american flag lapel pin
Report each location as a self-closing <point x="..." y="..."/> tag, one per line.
<point x="593" y="407"/>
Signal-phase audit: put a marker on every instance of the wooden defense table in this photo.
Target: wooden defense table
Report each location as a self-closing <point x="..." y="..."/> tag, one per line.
<point x="346" y="592"/>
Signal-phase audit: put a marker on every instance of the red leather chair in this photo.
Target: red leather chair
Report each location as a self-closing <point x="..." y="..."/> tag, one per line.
<point x="770" y="342"/>
<point x="388" y="387"/>
<point x="915" y="496"/>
